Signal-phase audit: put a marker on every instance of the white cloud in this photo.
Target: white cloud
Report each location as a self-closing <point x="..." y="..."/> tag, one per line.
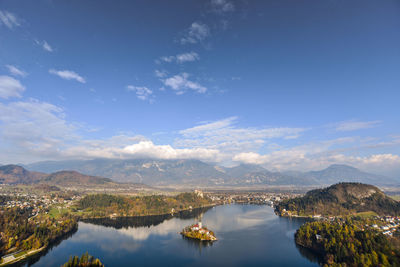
<point x="222" y="6"/>
<point x="142" y="92"/>
<point x="208" y="127"/>
<point x="160" y="73"/>
<point x="225" y="136"/>
<point x="197" y="32"/>
<point x="47" y="47"/>
<point x="167" y="58"/>
<point x="187" y="57"/>
<point x="180" y="58"/>
<point x="9" y="19"/>
<point x="346" y="126"/>
<point x="125" y="147"/>
<point x="10" y="87"/>
<point x="15" y="71"/>
<point x="101" y="148"/>
<point x="319" y="155"/>
<point x="180" y="83"/>
<point x="34" y="128"/>
<point x="68" y="75"/>
<point x="377" y="160"/>
<point x="148" y="149"/>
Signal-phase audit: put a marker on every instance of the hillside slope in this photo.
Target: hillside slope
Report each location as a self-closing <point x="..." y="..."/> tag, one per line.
<point x="14" y="174"/>
<point x="65" y="178"/>
<point x="340" y="199"/>
<point x="343" y="173"/>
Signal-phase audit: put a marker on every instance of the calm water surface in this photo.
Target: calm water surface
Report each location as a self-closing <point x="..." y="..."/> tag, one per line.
<point x="249" y="235"/>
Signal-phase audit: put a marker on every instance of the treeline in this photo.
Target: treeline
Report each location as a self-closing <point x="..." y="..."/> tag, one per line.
<point x="19" y="233"/>
<point x="340" y="199"/>
<point x="104" y="205"/>
<point x="85" y="260"/>
<point x="347" y="243"/>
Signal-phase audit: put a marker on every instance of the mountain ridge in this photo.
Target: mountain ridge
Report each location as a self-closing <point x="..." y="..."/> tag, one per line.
<point x="15" y="174"/>
<point x="177" y="172"/>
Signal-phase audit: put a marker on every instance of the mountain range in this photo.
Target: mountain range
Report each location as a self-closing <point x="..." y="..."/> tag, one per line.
<point x="195" y="172"/>
<point x="14" y="174"/>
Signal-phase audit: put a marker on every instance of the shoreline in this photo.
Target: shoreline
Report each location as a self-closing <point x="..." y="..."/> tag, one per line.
<point x="31" y="253"/>
<point x="147" y="215"/>
<point x="199" y="239"/>
<point x="34" y="252"/>
<point x="24" y="256"/>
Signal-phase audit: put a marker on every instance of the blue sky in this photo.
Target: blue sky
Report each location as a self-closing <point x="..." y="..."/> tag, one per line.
<point x="290" y="85"/>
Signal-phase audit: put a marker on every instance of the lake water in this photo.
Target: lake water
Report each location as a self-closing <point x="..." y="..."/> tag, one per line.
<point x="248" y="235"/>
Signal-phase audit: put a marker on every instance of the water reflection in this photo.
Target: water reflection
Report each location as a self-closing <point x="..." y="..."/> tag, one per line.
<point x="197" y="244"/>
<point x="311" y="256"/>
<point x="248" y="235"/>
<point x="147" y="221"/>
<point x="35" y="258"/>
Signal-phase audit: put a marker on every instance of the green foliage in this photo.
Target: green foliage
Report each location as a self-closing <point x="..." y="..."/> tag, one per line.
<point x="340" y="199"/>
<point x="104" y="205"/>
<point x="347" y="243"/>
<point x="85" y="260"/>
<point x="19" y="233"/>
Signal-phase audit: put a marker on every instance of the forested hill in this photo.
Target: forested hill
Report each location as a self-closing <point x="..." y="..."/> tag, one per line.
<point x="73" y="178"/>
<point x="103" y="205"/>
<point x="340" y="199"/>
<point x="14" y="174"/>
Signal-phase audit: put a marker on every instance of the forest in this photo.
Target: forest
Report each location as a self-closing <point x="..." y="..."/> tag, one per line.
<point x="340" y="199"/>
<point x="348" y="243"/>
<point x="85" y="260"/>
<point x="18" y="233"/>
<point x="104" y="205"/>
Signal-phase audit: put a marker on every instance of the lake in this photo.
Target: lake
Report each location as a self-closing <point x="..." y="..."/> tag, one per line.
<point x="248" y="235"/>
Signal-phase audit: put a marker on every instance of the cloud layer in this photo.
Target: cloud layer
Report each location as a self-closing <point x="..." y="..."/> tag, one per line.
<point x="36" y="130"/>
<point x="226" y="136"/>
<point x="347" y="126"/>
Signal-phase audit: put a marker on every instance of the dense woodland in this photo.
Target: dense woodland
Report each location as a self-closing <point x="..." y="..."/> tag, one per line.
<point x="340" y="199"/>
<point x="347" y="243"/>
<point x="19" y="233"/>
<point x="103" y="205"/>
<point x="85" y="260"/>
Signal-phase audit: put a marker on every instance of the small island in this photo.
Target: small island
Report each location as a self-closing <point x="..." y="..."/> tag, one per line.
<point x="85" y="260"/>
<point x="197" y="231"/>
